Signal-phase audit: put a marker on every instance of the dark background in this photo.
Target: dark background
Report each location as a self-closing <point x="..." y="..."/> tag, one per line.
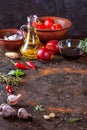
<point x="13" y="13"/>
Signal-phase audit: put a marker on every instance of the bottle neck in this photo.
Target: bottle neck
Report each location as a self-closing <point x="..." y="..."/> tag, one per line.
<point x="28" y="21"/>
<point x="31" y="20"/>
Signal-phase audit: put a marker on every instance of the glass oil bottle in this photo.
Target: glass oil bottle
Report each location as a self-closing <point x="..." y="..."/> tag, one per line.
<point x="31" y="40"/>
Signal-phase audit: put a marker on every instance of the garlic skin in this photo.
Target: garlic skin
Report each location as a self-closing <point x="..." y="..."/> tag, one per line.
<point x="23" y="114"/>
<point x="13" y="99"/>
<point x="52" y="115"/>
<point x="12" y="55"/>
<point x="46" y="117"/>
<point x="6" y="110"/>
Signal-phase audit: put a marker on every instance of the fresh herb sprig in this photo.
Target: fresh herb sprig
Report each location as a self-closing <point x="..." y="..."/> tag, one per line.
<point x="16" y="73"/>
<point x="10" y="80"/>
<point x="39" y="108"/>
<point x="74" y="119"/>
<point x="84" y="45"/>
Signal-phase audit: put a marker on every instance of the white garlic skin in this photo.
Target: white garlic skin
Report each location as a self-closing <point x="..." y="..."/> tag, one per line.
<point x="6" y="110"/>
<point x="13" y="99"/>
<point x="12" y="55"/>
<point x="23" y="114"/>
<point x="46" y="117"/>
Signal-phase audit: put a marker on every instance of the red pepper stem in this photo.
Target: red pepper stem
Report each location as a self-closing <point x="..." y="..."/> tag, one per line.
<point x="13" y="62"/>
<point x="19" y="65"/>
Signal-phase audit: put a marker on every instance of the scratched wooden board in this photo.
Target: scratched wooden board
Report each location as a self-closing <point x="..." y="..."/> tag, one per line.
<point x="59" y="85"/>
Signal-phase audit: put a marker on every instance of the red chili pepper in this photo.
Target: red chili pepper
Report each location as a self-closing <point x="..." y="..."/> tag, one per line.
<point x="9" y="88"/>
<point x="30" y="64"/>
<point x="19" y="65"/>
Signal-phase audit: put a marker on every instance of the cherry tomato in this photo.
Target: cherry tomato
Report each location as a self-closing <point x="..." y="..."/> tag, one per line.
<point x="53" y="27"/>
<point x="59" y="26"/>
<point x="52" y="46"/>
<point x="48" y="22"/>
<point x="9" y="88"/>
<point x="40" y="25"/>
<point x="44" y="54"/>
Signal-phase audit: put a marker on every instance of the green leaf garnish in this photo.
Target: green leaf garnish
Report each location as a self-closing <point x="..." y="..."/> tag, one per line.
<point x="16" y="73"/>
<point x="83" y="45"/>
<point x="39" y="108"/>
<point x="10" y="80"/>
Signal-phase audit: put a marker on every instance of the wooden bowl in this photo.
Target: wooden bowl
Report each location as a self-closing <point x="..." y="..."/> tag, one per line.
<point x="12" y="45"/>
<point x="47" y="34"/>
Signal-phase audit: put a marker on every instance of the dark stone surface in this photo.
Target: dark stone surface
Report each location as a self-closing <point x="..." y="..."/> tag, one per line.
<point x="13" y="13"/>
<point x="60" y="86"/>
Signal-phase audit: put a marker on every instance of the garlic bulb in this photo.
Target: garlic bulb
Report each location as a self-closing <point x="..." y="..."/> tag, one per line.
<point x="13" y="99"/>
<point x="6" y="110"/>
<point x="23" y="114"/>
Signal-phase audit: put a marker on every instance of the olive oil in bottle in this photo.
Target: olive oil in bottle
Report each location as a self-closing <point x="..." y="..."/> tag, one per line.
<point x="31" y="40"/>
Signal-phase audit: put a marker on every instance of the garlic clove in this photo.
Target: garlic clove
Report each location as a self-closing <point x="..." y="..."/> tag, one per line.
<point x="23" y="114"/>
<point x="46" y="117"/>
<point x="52" y="115"/>
<point x="6" y="110"/>
<point x="3" y="105"/>
<point x="12" y="55"/>
<point x="13" y="99"/>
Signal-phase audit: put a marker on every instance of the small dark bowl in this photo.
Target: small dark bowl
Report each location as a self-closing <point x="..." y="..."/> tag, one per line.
<point x="47" y="34"/>
<point x="70" y="49"/>
<point x="11" y="45"/>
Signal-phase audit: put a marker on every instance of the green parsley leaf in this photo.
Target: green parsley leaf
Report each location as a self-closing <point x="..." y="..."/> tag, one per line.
<point x="39" y="108"/>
